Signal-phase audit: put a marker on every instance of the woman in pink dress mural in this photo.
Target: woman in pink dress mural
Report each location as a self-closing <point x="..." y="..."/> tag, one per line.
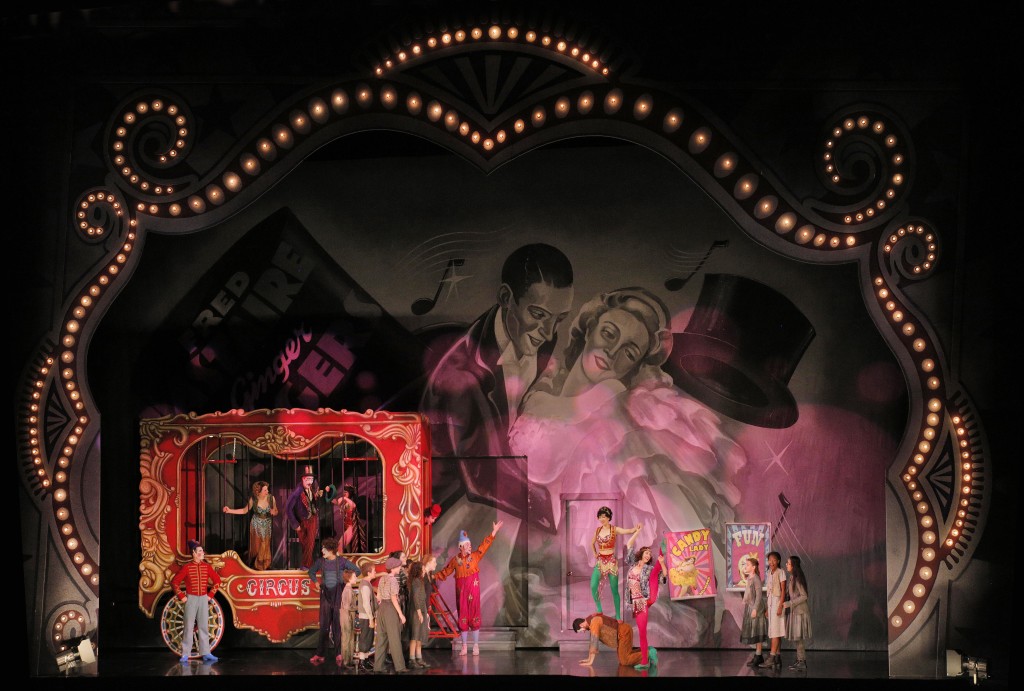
<point x="609" y="420"/>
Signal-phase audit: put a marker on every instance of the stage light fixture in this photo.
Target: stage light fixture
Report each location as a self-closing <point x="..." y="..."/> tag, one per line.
<point x="80" y="651"/>
<point x="958" y="664"/>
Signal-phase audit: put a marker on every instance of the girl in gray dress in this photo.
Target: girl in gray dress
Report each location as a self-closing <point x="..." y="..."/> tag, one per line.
<point x="798" y="630"/>
<point x="755" y="625"/>
<point x="420" y="583"/>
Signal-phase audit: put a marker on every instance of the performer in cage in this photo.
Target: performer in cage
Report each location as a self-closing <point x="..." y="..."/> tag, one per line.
<point x="353" y="538"/>
<point x="303" y="513"/>
<point x="263" y="508"/>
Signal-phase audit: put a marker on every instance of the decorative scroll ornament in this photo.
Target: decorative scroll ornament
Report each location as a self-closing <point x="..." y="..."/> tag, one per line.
<point x="280" y="441"/>
<point x="100" y="214"/>
<point x="867" y="157"/>
<point x="406" y="472"/>
<point x="912" y="251"/>
<point x="149" y="136"/>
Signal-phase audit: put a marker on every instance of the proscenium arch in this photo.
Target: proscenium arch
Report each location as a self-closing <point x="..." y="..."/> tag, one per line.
<point x="876" y="231"/>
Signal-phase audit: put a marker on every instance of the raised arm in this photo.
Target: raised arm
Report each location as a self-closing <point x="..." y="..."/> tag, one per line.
<point x="447" y="571"/>
<point x="632" y="538"/>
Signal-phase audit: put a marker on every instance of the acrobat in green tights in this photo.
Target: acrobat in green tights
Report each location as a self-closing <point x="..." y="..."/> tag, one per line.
<point x="607" y="562"/>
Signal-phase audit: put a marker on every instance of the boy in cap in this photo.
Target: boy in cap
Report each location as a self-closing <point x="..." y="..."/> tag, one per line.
<point x="366" y="612"/>
<point x="391" y="620"/>
<point x="197" y="575"/>
<point x="466" y="567"/>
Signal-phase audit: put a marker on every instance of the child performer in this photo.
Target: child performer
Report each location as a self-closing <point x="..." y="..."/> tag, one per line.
<point x="799" y="628"/>
<point x="775" y="580"/>
<point x="755" y="626"/>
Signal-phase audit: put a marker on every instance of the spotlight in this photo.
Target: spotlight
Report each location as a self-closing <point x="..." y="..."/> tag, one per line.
<point x="80" y="652"/>
<point x="958" y="664"/>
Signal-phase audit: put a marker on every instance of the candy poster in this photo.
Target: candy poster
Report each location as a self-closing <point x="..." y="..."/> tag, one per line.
<point x="691" y="564"/>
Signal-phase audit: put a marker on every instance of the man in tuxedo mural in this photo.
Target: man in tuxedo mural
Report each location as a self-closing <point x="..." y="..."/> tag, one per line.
<point x="473" y="395"/>
<point x="474" y="392"/>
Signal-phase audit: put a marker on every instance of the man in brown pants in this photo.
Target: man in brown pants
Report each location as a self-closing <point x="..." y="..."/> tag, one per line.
<point x="614" y="634"/>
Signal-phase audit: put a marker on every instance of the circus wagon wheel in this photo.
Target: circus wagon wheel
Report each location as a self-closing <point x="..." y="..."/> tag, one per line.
<point x="172" y="625"/>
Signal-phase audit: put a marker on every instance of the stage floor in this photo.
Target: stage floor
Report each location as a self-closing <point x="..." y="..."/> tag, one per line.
<point x="711" y="668"/>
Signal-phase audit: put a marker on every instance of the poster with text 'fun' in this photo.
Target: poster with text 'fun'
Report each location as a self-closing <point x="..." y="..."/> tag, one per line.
<point x="743" y="542"/>
<point x="691" y="564"/>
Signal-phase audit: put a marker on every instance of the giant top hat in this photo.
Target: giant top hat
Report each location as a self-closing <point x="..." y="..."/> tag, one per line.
<point x="740" y="349"/>
<point x="307" y="471"/>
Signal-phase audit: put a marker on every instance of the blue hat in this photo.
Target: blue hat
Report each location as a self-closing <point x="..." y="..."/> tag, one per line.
<point x="463" y="537"/>
<point x="193" y="545"/>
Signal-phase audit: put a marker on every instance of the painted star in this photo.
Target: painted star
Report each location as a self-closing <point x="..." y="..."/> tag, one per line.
<point x="453" y="283"/>
<point x="776" y="458"/>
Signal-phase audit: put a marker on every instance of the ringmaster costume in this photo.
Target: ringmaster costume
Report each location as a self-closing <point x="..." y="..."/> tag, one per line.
<point x="201" y="583"/>
<point x="304" y="514"/>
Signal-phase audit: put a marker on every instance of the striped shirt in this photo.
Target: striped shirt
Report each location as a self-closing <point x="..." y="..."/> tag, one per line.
<point x="387" y="587"/>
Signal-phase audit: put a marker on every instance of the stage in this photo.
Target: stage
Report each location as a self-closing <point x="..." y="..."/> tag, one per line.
<point x="711" y="668"/>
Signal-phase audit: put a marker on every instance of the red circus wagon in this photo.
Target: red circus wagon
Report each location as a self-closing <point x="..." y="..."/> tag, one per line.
<point x="193" y="466"/>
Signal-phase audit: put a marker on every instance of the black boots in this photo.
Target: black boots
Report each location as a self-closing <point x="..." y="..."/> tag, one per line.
<point x="771" y="662"/>
<point x="755" y="660"/>
<point x="799" y="666"/>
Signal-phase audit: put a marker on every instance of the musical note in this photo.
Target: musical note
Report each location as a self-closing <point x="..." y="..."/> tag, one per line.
<point x="677" y="283"/>
<point x="424" y="305"/>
